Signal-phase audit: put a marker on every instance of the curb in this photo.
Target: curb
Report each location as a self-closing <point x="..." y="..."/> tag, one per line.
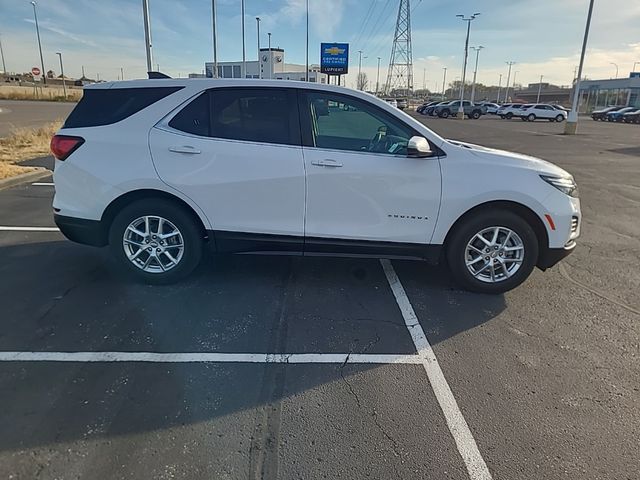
<point x="25" y="178"/>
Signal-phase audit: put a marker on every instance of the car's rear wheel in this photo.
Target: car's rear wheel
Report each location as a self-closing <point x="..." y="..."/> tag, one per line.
<point x="509" y="116"/>
<point x="156" y="241"/>
<point x="492" y="251"/>
<point x="445" y="114"/>
<point x="475" y="114"/>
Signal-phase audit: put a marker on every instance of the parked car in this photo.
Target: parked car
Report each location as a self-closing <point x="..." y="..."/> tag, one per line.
<point x="616" y="116"/>
<point x="602" y="113"/>
<point x="432" y="109"/>
<point x="509" y="110"/>
<point x="631" y="117"/>
<point x="392" y="101"/>
<point x="470" y="110"/>
<point x="158" y="170"/>
<point x="533" y="112"/>
<point x="492" y="108"/>
<point x="402" y="103"/>
<point x="424" y="106"/>
<point x="560" y="107"/>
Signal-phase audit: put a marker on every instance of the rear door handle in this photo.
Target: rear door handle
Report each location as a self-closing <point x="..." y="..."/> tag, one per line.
<point x="184" y="149"/>
<point x="326" y="163"/>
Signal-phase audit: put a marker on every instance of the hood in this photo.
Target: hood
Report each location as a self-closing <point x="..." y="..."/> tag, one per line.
<point x="512" y="159"/>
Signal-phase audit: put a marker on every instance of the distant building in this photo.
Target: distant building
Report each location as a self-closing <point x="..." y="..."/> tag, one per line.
<point x="595" y="94"/>
<point x="271" y="65"/>
<point x="548" y="94"/>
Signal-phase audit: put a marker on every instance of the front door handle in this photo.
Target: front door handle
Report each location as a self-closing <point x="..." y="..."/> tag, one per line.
<point x="184" y="149"/>
<point x="326" y="163"/>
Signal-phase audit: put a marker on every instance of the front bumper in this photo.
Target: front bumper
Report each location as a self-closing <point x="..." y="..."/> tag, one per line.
<point x="80" y="230"/>
<point x="549" y="257"/>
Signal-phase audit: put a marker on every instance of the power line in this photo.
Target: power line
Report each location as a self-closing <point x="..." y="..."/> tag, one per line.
<point x="367" y="17"/>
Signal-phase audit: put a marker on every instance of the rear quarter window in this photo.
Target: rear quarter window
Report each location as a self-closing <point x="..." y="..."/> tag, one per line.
<point x="106" y="106"/>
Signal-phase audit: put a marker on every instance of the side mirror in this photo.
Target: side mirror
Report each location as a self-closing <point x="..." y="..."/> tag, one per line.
<point x="418" y="147"/>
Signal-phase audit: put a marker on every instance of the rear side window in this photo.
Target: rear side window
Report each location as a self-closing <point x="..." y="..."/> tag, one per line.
<point x="104" y="107"/>
<point x="255" y="115"/>
<point x="194" y="118"/>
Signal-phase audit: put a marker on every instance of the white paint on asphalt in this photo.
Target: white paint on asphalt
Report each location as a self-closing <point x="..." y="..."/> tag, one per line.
<point x="202" y="357"/>
<point x="29" y="229"/>
<point x="43" y="184"/>
<point x="476" y="466"/>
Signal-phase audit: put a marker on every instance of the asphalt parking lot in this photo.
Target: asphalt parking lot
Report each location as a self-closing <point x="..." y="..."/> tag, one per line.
<point x="280" y="367"/>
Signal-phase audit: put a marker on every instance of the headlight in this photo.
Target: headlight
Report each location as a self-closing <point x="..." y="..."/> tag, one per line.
<point x="566" y="185"/>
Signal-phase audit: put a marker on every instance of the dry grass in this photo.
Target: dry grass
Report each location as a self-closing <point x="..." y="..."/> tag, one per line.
<point x="24" y="144"/>
<point x="56" y="94"/>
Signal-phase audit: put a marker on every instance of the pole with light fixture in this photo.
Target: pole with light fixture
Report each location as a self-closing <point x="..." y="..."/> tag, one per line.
<point x="378" y="77"/>
<point x="615" y="65"/>
<point x="307" y="46"/>
<point x="444" y="82"/>
<point x="147" y="34"/>
<point x="259" y="61"/>
<point x="464" y="64"/>
<point x="214" y="33"/>
<point x="499" y="88"/>
<point x="539" y="89"/>
<point x="270" y="58"/>
<point x="64" y="84"/>
<point x="35" y="16"/>
<point x="506" y="88"/>
<point x="4" y="67"/>
<point x="244" y="52"/>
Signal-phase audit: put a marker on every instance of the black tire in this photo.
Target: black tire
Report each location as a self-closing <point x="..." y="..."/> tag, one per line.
<point x="509" y="115"/>
<point x="476" y="114"/>
<point x="183" y="220"/>
<point x="444" y="114"/>
<point x="465" y="231"/>
<point x="559" y="118"/>
<point x="531" y="118"/>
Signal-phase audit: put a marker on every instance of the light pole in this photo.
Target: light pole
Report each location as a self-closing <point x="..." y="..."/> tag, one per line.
<point x="378" y="77"/>
<point x="424" y="78"/>
<point x="35" y="16"/>
<point x="444" y="82"/>
<point x="121" y="73"/>
<point x="64" y="84"/>
<point x="499" y="87"/>
<point x="4" y="68"/>
<point x="464" y="64"/>
<point x="633" y="70"/>
<point x="513" y="84"/>
<point x="506" y="88"/>
<point x="270" y="59"/>
<point x="539" y="89"/>
<point x="615" y="65"/>
<point x="259" y="61"/>
<point x="475" y="72"/>
<point x="307" y="46"/>
<point x="244" y="53"/>
<point x="359" y="81"/>
<point x="147" y="33"/>
<point x="571" y="127"/>
<point x="215" y="38"/>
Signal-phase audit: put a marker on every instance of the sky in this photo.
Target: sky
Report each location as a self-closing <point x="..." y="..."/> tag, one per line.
<point x="543" y="37"/>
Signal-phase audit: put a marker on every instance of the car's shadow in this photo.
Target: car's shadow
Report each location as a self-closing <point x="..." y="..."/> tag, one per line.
<point x="58" y="296"/>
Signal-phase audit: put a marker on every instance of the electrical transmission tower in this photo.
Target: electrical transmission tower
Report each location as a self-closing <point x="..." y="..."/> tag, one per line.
<point x="400" y="74"/>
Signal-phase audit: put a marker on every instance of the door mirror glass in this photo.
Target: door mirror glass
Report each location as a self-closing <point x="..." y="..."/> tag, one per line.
<point x="418" y="147"/>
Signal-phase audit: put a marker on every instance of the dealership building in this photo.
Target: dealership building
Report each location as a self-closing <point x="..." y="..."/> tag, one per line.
<point x="270" y="65"/>
<point x="596" y="94"/>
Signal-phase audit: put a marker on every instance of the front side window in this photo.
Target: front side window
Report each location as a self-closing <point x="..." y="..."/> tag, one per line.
<point x="255" y="115"/>
<point x="341" y="122"/>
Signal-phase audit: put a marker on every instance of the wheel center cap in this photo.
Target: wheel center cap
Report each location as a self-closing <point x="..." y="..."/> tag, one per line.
<point x="154" y="244"/>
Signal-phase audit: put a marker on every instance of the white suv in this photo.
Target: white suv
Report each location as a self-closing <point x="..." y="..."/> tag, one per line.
<point x="544" y="111"/>
<point x="157" y="169"/>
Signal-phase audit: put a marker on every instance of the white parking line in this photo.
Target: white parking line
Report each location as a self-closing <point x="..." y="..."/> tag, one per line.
<point x="29" y="229"/>
<point x="476" y="466"/>
<point x="43" y="184"/>
<point x="154" y="357"/>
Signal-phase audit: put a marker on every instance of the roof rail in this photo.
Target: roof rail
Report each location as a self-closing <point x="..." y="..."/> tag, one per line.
<point x="154" y="75"/>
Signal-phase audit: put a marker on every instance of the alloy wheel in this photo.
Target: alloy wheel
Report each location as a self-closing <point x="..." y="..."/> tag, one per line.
<point x="153" y="244"/>
<point x="494" y="254"/>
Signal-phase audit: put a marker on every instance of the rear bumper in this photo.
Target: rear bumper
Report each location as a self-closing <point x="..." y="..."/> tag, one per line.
<point x="80" y="230"/>
<point x="551" y="256"/>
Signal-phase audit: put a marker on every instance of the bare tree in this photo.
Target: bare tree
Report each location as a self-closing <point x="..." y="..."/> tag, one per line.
<point x="362" y="81"/>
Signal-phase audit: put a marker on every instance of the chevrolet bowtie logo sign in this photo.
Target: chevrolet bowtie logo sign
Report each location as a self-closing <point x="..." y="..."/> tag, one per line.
<point x="334" y="51"/>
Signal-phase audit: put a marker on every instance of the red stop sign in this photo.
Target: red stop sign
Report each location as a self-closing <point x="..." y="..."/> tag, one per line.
<point x="35" y="71"/>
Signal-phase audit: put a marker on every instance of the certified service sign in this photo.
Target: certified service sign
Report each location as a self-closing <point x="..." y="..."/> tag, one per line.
<point x="334" y="58"/>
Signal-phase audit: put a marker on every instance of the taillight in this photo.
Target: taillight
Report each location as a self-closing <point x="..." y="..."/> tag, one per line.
<point x="64" y="145"/>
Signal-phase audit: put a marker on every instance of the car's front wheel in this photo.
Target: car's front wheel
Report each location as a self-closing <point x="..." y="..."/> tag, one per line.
<point x="531" y="117"/>
<point x="444" y="114"/>
<point x="492" y="251"/>
<point x="156" y="241"/>
<point x="509" y="116"/>
<point x="559" y="118"/>
<point x="475" y="114"/>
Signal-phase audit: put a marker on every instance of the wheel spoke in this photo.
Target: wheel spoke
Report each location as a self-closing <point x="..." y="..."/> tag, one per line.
<point x="136" y="231"/>
<point x="504" y="269"/>
<point x="504" y="242"/>
<point x="477" y="250"/>
<point x="137" y="244"/>
<point x="514" y="249"/>
<point x="496" y="232"/>
<point x="160" y="224"/>
<point x="486" y="242"/>
<point x="513" y="260"/>
<point x="147" y="262"/>
<point x="170" y="257"/>
<point x="168" y="235"/>
<point x="484" y="267"/>
<point x="135" y="255"/>
<point x="147" y="231"/>
<point x="474" y="261"/>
